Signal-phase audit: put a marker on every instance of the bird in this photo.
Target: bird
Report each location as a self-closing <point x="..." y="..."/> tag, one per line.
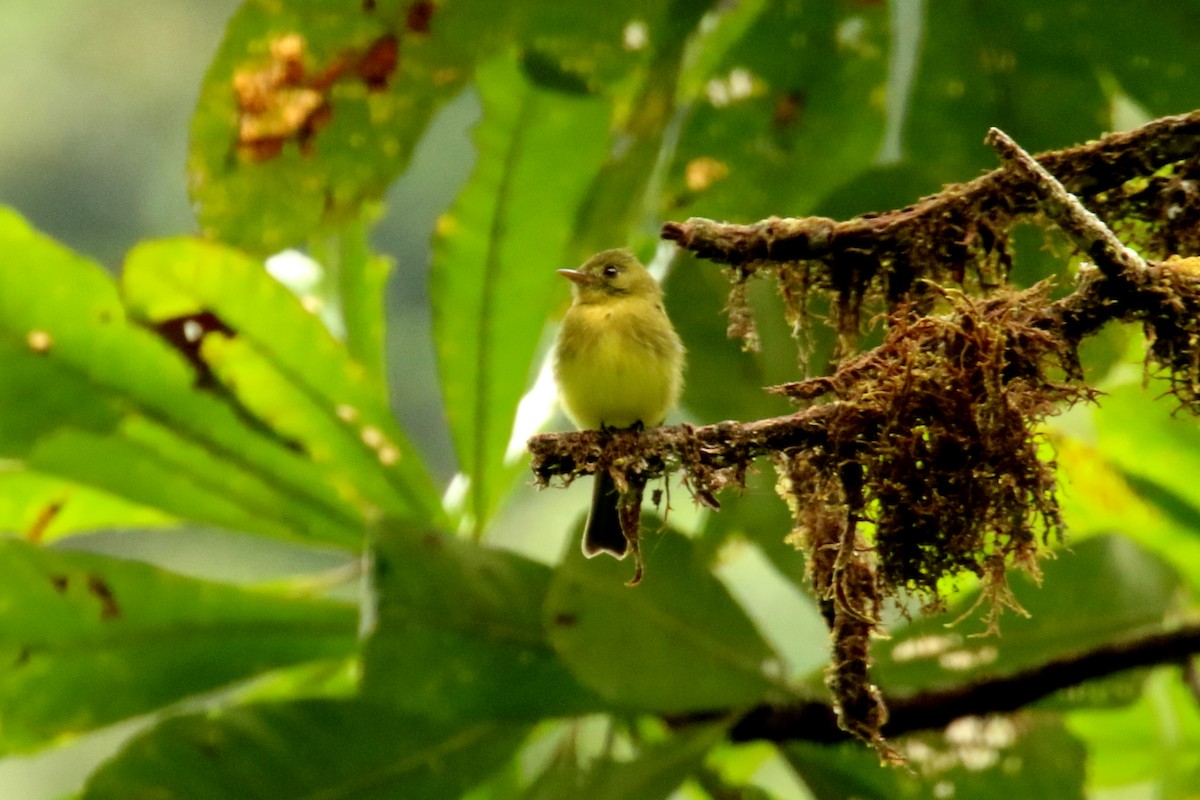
<point x="618" y="363"/>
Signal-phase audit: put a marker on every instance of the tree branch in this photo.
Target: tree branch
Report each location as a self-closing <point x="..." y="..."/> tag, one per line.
<point x="721" y="446"/>
<point x="932" y="435"/>
<point x="935" y="708"/>
<point x="1085" y="170"/>
<point x="723" y="451"/>
<point x="1127" y="288"/>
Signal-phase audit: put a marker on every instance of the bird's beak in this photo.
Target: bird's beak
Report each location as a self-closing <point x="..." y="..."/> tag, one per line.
<point x="575" y="276"/>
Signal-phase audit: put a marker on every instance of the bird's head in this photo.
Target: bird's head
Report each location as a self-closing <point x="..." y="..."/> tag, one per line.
<point x="611" y="274"/>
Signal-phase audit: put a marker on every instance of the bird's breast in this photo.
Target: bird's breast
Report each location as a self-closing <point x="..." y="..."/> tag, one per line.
<point x="618" y="365"/>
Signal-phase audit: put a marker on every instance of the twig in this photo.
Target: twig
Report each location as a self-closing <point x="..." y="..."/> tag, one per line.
<point x="1085" y="229"/>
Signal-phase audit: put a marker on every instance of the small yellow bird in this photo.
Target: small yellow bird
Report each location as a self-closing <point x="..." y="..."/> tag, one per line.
<point x="618" y="363"/>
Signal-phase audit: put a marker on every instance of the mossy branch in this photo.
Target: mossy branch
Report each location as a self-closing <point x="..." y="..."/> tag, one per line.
<point x="933" y="436"/>
<point x="1088" y="170"/>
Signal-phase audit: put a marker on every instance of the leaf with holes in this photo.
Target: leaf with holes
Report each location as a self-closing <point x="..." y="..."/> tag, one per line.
<point x="283" y="366"/>
<point x="72" y="365"/>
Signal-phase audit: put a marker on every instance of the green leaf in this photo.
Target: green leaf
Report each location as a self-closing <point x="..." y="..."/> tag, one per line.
<point x="676" y="642"/>
<point x="89" y="640"/>
<point x="1059" y="47"/>
<point x="655" y="772"/>
<point x="309" y="110"/>
<point x="459" y="633"/>
<point x="993" y="759"/>
<point x="285" y="367"/>
<point x="977" y="69"/>
<point x="1153" y="741"/>
<point x="723" y="381"/>
<point x="757" y="515"/>
<point x="349" y="137"/>
<point x="494" y="284"/>
<point x="44" y="508"/>
<point x="362" y="288"/>
<point x="785" y="116"/>
<point x="39" y="394"/>
<point x="1042" y="72"/>
<point x="1097" y="498"/>
<point x="162" y="469"/>
<point x="1103" y="589"/>
<point x="329" y="749"/>
<point x="623" y="197"/>
<point x="1151" y="454"/>
<point x="1140" y="435"/>
<point x="50" y="299"/>
<point x="81" y="368"/>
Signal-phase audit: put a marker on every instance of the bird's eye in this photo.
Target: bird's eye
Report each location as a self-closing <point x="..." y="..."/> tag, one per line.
<point x="610" y="271"/>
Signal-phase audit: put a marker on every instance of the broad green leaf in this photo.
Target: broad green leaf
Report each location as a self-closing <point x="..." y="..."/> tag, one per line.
<point x="89" y="640"/>
<point x="1153" y="741"/>
<point x="1058" y="46"/>
<point x="723" y="28"/>
<point x="758" y="515"/>
<point x="39" y="394"/>
<point x="973" y="75"/>
<point x="1040" y="71"/>
<point x="655" y="772"/>
<point x="723" y="381"/>
<point x="593" y="45"/>
<point x="622" y="198"/>
<point x="48" y="293"/>
<point x="1097" y="497"/>
<point x="788" y="114"/>
<point x="1154" y="453"/>
<point x="494" y="284"/>
<point x="285" y="367"/>
<point x="1138" y="433"/>
<point x="43" y="507"/>
<point x="676" y="642"/>
<point x="997" y="758"/>
<point x="291" y="137"/>
<point x="328" y="749"/>
<point x="355" y="462"/>
<point x="1102" y="589"/>
<point x="79" y="364"/>
<point x="459" y="633"/>
<point x="162" y="469"/>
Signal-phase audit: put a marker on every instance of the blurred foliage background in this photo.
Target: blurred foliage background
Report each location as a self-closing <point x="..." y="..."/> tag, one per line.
<point x="511" y="139"/>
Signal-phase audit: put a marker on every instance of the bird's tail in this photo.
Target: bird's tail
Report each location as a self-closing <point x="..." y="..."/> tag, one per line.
<point x="603" y="532"/>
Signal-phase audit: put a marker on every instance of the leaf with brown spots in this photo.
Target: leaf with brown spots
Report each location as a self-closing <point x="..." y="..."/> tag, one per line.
<point x="71" y="617"/>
